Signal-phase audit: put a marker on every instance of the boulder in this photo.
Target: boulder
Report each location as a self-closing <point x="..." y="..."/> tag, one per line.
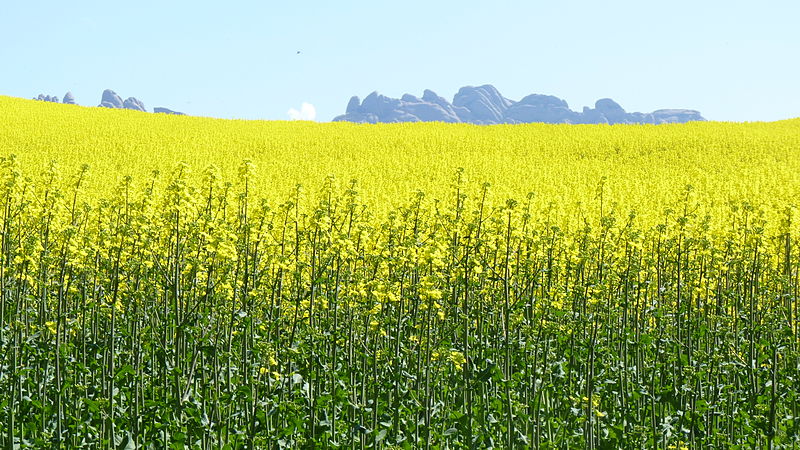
<point x="111" y="99"/>
<point x="611" y="110"/>
<point x="485" y="104"/>
<point x="134" y="103"/>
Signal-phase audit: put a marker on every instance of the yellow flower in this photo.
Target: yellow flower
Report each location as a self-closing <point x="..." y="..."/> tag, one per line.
<point x="457" y="358"/>
<point x="679" y="446"/>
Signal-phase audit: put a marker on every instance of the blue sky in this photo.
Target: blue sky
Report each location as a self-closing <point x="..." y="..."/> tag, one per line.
<point x="732" y="60"/>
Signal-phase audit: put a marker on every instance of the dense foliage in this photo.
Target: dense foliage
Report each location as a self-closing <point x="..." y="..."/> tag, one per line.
<point x="200" y="309"/>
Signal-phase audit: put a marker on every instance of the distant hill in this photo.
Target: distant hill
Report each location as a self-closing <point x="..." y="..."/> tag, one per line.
<point x="485" y="105"/>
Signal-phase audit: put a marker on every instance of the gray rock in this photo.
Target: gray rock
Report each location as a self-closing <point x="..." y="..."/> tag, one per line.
<point x="161" y="110"/>
<point x="111" y="99"/>
<point x="357" y="118"/>
<point x="386" y="109"/>
<point x="69" y="99"/>
<point x="612" y="111"/>
<point x="676" y="116"/>
<point x="485" y="104"/>
<point x="134" y="103"/>
<point x="454" y="113"/>
<point x="637" y="117"/>
<point x="379" y="105"/>
<point x="354" y="105"/>
<point x="400" y="116"/>
<point x="380" y="108"/>
<point x="408" y="98"/>
<point x="542" y="108"/>
<point x="590" y="115"/>
<point x="464" y="114"/>
<point x="47" y="98"/>
<point x="608" y="105"/>
<point x="431" y="97"/>
<point x="430" y="112"/>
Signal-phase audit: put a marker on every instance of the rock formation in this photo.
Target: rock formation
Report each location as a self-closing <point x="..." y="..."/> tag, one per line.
<point x="69" y="99"/>
<point x="485" y="105"/>
<point x="161" y="110"/>
<point x="133" y="103"/>
<point x="111" y="99"/>
<point x="541" y="108"/>
<point x="47" y="98"/>
<point x="676" y="115"/>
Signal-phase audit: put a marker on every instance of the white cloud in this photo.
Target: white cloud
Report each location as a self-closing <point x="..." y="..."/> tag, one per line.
<point x="307" y="112"/>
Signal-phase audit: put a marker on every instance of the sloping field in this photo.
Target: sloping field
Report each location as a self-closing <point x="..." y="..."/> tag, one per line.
<point x="645" y="166"/>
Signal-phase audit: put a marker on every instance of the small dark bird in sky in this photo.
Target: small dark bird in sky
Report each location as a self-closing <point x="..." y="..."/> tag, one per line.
<point x="298" y="52"/>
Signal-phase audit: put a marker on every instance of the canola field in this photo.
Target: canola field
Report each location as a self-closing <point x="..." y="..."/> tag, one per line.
<point x="185" y="282"/>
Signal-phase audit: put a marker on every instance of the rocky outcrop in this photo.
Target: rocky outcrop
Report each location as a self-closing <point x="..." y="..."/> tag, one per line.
<point x="612" y="111"/>
<point x="676" y="116"/>
<point x="485" y="105"/>
<point x="133" y="103"/>
<point x="380" y="108"/>
<point x="110" y="99"/>
<point x="541" y="108"/>
<point x="47" y="98"/>
<point x="353" y="105"/>
<point x="160" y="110"/>
<point x="454" y="112"/>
